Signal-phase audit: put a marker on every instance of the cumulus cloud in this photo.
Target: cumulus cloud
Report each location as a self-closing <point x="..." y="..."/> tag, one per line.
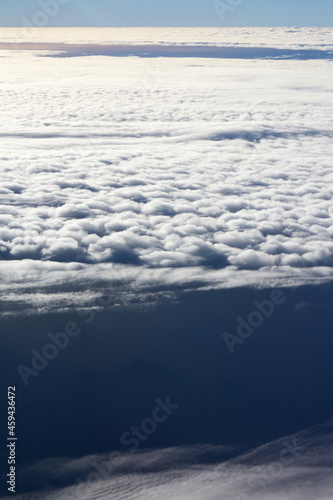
<point x="189" y="172"/>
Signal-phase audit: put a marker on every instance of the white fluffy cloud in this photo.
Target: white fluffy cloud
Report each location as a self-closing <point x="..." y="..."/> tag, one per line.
<point x="167" y="163"/>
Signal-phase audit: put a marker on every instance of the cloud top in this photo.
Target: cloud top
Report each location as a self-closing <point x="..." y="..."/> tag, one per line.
<point x="167" y="164"/>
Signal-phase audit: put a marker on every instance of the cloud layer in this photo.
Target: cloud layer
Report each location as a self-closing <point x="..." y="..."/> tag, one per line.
<point x="294" y="467"/>
<point x="179" y="164"/>
<point x="291" y="37"/>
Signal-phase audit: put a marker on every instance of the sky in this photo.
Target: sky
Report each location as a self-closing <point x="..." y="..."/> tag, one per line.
<point x="117" y="13"/>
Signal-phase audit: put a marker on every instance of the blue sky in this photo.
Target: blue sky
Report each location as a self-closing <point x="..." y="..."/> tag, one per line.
<point x="170" y="12"/>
